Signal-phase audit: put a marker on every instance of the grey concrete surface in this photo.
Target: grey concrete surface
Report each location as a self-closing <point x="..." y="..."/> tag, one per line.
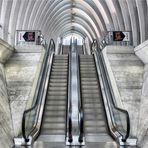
<point x="5" y="115"/>
<point x="128" y="71"/>
<point x="22" y="70"/>
<point x="142" y="52"/>
<point x="5" y="51"/>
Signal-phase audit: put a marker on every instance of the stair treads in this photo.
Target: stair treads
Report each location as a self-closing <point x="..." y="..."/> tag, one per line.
<point x="94" y="116"/>
<point x="54" y="117"/>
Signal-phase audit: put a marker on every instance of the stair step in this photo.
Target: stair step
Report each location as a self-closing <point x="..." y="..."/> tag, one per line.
<point x="94" y="117"/>
<point x="55" y="113"/>
<point x="97" y="105"/>
<point x="56" y="97"/>
<point x="61" y="57"/>
<point x="60" y="64"/>
<point x="57" y="89"/>
<point x="95" y="130"/>
<point x="88" y="83"/>
<point x="54" y="131"/>
<point x="58" y="77"/>
<point x="60" y="67"/>
<point x="91" y="101"/>
<point x="53" y="119"/>
<point x="89" y="79"/>
<point x="56" y="103"/>
<point x="58" y="80"/>
<point x="57" y="84"/>
<point x="92" y="123"/>
<point x="57" y="93"/>
<point x="92" y="111"/>
<point x="51" y="126"/>
<point x="93" y="96"/>
<point x="91" y="91"/>
<point x="54" y="108"/>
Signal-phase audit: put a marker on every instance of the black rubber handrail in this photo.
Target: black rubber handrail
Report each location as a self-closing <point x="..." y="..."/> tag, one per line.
<point x="37" y="94"/>
<point x="81" y="111"/>
<point x="124" y="138"/>
<point x="69" y="105"/>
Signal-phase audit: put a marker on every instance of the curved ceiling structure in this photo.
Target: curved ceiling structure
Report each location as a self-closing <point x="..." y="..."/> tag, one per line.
<point x="88" y="18"/>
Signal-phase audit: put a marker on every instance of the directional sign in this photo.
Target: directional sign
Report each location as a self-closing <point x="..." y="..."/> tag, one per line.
<point x="20" y="36"/>
<point x="121" y="36"/>
<point x="29" y="36"/>
<point x="26" y="36"/>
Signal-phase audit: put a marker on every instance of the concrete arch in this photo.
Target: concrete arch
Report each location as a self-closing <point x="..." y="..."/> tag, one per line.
<point x="141" y="11"/>
<point x="133" y="18"/>
<point x="73" y="26"/>
<point x="100" y="16"/>
<point x="125" y="14"/>
<point x="80" y="12"/>
<point x="72" y="31"/>
<point x="5" y="18"/>
<point x="65" y="14"/>
<point x="68" y="21"/>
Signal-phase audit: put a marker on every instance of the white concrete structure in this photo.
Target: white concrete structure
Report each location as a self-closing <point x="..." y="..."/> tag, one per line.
<point x="57" y="19"/>
<point x="91" y="18"/>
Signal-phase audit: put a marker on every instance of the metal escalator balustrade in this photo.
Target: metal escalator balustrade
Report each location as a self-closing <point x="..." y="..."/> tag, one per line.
<point x="118" y="119"/>
<point x="31" y="121"/>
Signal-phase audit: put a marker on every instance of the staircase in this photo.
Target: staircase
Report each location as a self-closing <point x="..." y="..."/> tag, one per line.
<point x="54" y="117"/>
<point x="94" y="116"/>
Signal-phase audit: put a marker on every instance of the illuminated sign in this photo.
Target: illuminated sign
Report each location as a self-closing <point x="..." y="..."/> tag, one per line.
<point x="26" y="36"/>
<point x="121" y="36"/>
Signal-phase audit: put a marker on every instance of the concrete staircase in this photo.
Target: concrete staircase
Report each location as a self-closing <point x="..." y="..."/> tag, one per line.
<point x="54" y="118"/>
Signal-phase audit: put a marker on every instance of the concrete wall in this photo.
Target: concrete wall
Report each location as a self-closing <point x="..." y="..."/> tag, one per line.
<point x="19" y="74"/>
<point x="22" y="72"/>
<point x="135" y="99"/>
<point x="5" y="51"/>
<point x="142" y="52"/>
<point x="6" y="130"/>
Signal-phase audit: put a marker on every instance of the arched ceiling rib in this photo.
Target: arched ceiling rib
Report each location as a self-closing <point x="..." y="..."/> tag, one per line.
<point x="96" y="17"/>
<point x="70" y="32"/>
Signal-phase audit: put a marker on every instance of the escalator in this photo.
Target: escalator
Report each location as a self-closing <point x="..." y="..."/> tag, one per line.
<point x="95" y="123"/>
<point x="54" y="116"/>
<point x="74" y="110"/>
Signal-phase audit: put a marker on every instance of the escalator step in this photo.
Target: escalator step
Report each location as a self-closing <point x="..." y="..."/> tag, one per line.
<point x="56" y="114"/>
<point x="53" y="119"/>
<point x="52" y="131"/>
<point x="51" y="126"/>
<point x="96" y="130"/>
<point x="53" y="108"/>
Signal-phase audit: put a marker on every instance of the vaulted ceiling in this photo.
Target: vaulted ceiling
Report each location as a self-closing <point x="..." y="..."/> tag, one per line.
<point x="88" y="18"/>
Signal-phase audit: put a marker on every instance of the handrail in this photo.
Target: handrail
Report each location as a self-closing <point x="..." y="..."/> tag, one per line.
<point x="69" y="105"/>
<point x="39" y="87"/>
<point x="124" y="138"/>
<point x="81" y="112"/>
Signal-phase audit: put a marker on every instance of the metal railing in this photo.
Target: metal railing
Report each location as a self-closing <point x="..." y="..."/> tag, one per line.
<point x="81" y="111"/>
<point x="119" y="117"/>
<point x="30" y="116"/>
<point x="69" y="103"/>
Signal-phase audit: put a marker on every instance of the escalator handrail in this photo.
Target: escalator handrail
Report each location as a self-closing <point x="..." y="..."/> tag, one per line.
<point x="81" y="111"/>
<point x="112" y="95"/>
<point x="51" y="48"/>
<point x="69" y="103"/>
